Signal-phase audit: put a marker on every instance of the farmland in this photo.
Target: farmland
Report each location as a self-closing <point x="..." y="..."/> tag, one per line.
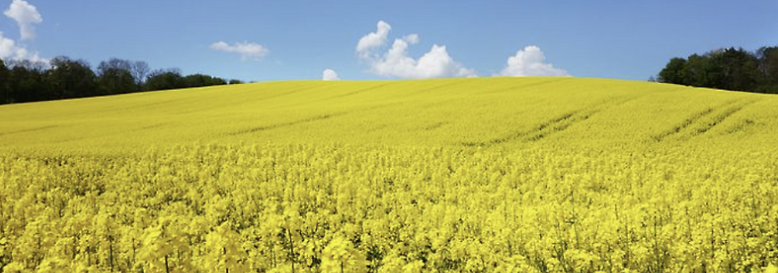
<point x="450" y="175"/>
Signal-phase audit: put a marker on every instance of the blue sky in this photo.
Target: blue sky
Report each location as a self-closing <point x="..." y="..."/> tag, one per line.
<point x="604" y="39"/>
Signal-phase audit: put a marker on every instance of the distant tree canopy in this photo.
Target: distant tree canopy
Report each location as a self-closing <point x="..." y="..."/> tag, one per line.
<point x="66" y="78"/>
<point x="768" y="66"/>
<point x="198" y="80"/>
<point x="730" y="68"/>
<point x="4" y="77"/>
<point x="165" y="79"/>
<point x="115" y="77"/>
<point x="71" y="79"/>
<point x="27" y="81"/>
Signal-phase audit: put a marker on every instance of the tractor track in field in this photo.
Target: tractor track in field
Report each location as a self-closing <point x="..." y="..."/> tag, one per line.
<point x="158" y="125"/>
<point x="309" y="120"/>
<point x="293" y="91"/>
<point x="298" y="89"/>
<point x="361" y="90"/>
<point x="433" y="88"/>
<point x="287" y="124"/>
<point x="560" y="125"/>
<point x="521" y="86"/>
<point x="29" y="130"/>
<point x="723" y="116"/>
<point x="434" y="126"/>
<point x="556" y="124"/>
<point x="146" y="105"/>
<point x="728" y="111"/>
<point x="537" y="131"/>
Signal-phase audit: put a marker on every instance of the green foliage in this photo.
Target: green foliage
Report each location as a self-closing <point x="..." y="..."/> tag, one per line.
<point x="701" y="71"/>
<point x="172" y="79"/>
<point x="5" y="97"/>
<point x="164" y="80"/>
<point x="673" y="71"/>
<point x="65" y="78"/>
<point x="739" y="69"/>
<point x="71" y="78"/>
<point x="200" y="80"/>
<point x="115" y="77"/>
<point x="28" y="82"/>
<point x="768" y="65"/>
<point x="730" y="69"/>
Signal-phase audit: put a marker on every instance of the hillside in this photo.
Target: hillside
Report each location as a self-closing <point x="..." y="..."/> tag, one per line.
<point x="454" y="175"/>
<point x="501" y="112"/>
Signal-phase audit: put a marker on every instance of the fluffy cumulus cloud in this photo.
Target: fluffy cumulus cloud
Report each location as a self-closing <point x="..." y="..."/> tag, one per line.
<point x="330" y="75"/>
<point x="7" y="47"/>
<point x="530" y="61"/>
<point x="374" y="39"/>
<point x="26" y="16"/>
<point x="246" y="50"/>
<point x="10" y="50"/>
<point x="395" y="62"/>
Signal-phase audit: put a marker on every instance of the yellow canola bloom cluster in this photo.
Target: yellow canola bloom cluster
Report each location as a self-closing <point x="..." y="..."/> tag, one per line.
<point x="314" y="208"/>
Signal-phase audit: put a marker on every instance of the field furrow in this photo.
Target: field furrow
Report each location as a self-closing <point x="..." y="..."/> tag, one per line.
<point x="677" y="129"/>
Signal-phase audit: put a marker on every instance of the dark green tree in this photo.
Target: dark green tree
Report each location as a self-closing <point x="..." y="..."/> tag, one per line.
<point x="738" y="68"/>
<point x="27" y="82"/>
<point x="702" y="72"/>
<point x="140" y="71"/>
<point x="5" y="96"/>
<point x="63" y="78"/>
<point x="72" y="78"/>
<point x="115" y="77"/>
<point x="729" y="68"/>
<point x="199" y="80"/>
<point x="768" y="66"/>
<point x="673" y="72"/>
<point x="164" y="80"/>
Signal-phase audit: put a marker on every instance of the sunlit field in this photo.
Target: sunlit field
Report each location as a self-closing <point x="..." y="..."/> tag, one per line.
<point x="455" y="175"/>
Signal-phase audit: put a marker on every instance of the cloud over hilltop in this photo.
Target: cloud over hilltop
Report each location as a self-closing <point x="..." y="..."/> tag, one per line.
<point x="330" y="75"/>
<point x="530" y="61"/>
<point x="396" y="62"/>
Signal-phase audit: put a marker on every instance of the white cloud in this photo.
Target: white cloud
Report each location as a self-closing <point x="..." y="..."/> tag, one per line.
<point x="411" y="39"/>
<point x="246" y="50"/>
<point x="10" y="50"/>
<point x="374" y="39"/>
<point x="396" y="62"/>
<point x="330" y="75"/>
<point x="7" y="47"/>
<point x="530" y="61"/>
<point x="26" y="16"/>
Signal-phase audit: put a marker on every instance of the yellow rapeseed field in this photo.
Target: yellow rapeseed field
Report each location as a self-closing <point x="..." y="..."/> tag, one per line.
<point x="453" y="175"/>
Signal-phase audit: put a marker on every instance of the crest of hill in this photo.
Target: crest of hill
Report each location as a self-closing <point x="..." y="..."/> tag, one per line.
<point x="481" y="112"/>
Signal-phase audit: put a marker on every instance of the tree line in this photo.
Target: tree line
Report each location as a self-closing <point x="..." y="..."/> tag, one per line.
<point x="66" y="78"/>
<point x="729" y="68"/>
